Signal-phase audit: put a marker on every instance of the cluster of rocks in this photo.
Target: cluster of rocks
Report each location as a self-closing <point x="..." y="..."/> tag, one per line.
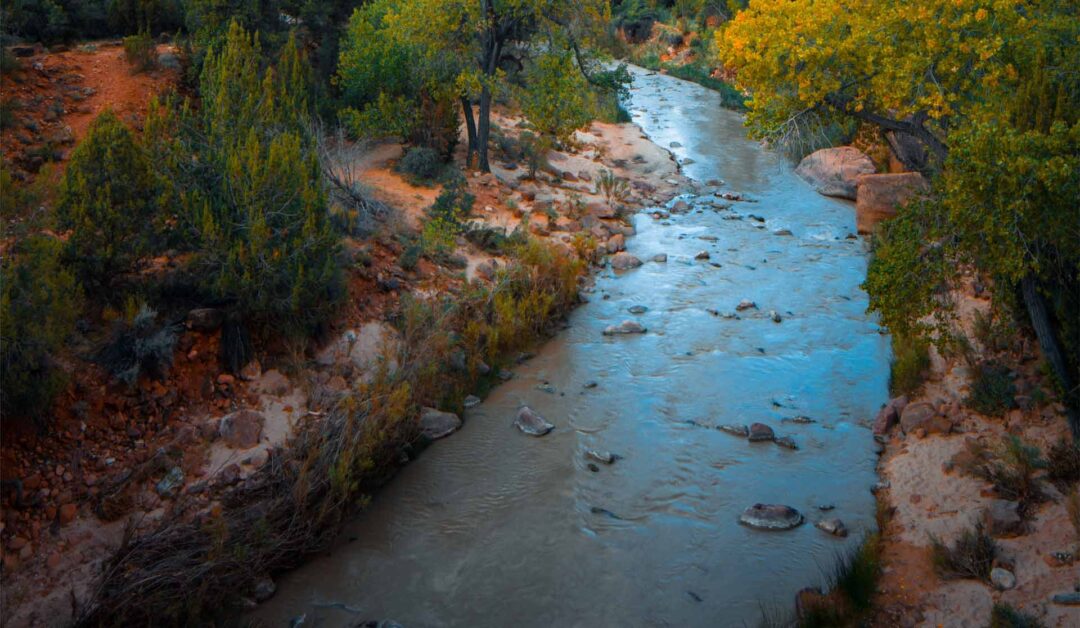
<point x="759" y="432"/>
<point x="846" y="172"/>
<point x="920" y="418"/>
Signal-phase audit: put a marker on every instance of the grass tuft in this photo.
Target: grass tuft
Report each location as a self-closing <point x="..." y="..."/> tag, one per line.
<point x="972" y="556"/>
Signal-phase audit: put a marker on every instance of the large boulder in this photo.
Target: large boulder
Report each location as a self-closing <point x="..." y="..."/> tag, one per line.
<point x="435" y="424"/>
<point x="916" y="415"/>
<point x="878" y="196"/>
<point x="834" y="171"/>
<point x="771" y="517"/>
<point x="242" y="429"/>
<point x="889" y="415"/>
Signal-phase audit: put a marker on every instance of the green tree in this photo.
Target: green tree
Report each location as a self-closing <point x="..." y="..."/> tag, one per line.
<point x="108" y="201"/>
<point x="39" y="301"/>
<point x="248" y="180"/>
<point x="481" y="44"/>
<point x="558" y="100"/>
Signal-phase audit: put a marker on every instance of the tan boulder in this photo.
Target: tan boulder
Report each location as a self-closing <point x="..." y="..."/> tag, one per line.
<point x="835" y="171"/>
<point x="879" y="195"/>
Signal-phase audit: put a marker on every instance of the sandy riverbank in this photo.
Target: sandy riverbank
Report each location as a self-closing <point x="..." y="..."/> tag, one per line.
<point x="930" y="494"/>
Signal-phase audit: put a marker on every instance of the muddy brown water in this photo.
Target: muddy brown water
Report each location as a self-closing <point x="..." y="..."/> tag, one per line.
<point x="491" y="527"/>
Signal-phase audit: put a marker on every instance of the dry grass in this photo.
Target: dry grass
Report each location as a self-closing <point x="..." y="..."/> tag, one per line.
<point x="971" y="556"/>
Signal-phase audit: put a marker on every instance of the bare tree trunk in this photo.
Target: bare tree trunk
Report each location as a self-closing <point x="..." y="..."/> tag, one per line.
<point x="1044" y="330"/>
<point x="484" y="129"/>
<point x="470" y="129"/>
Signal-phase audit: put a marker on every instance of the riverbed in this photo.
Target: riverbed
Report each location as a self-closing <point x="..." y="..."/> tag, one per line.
<point x="491" y="527"/>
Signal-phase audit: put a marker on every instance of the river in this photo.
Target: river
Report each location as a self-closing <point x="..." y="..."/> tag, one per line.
<point x="491" y="527"/>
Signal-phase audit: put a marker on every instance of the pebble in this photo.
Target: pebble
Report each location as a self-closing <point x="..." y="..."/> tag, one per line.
<point x="1002" y="579"/>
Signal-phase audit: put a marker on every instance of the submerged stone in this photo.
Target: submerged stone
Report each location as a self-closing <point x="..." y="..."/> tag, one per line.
<point x="771" y="517"/>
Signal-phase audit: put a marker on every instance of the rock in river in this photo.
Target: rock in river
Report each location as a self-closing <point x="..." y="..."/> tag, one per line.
<point x="624" y="261"/>
<point x="625" y="327"/>
<point x="736" y="430"/>
<point x="745" y="304"/>
<point x="605" y="457"/>
<point x="835" y="171"/>
<point x="760" y="431"/>
<point x="834" y="527"/>
<point x="435" y="424"/>
<point x="771" y="517"/>
<point x="531" y="423"/>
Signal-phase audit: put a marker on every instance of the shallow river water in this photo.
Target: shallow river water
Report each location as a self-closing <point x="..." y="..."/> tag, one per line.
<point x="494" y="528"/>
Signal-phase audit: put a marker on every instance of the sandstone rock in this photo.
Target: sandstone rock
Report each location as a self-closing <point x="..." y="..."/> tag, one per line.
<point x="625" y="327"/>
<point x="702" y="255"/>
<point x="168" y="485"/>
<point x="889" y="414"/>
<point x="264" y="589"/>
<point x="616" y="243"/>
<point x="771" y="517"/>
<point x="787" y="442"/>
<point x="242" y="429"/>
<point x="1002" y="518"/>
<point x="1002" y="579"/>
<point x="760" y="432"/>
<point x="834" y="527"/>
<point x="745" y="304"/>
<point x="435" y="424"/>
<point x="486" y="270"/>
<point x="835" y="171"/>
<point x="624" y="261"/>
<point x="205" y="319"/>
<point x="67" y="513"/>
<point x="879" y="195"/>
<point x="916" y="415"/>
<point x="531" y="423"/>
<point x="252" y="370"/>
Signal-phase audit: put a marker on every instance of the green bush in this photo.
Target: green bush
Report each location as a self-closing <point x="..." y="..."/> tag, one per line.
<point x="1005" y="616"/>
<point x="421" y="164"/>
<point x="139" y="347"/>
<point x="39" y="302"/>
<point x="8" y="107"/>
<point x="140" y="51"/>
<point x="911" y="360"/>
<point x="992" y="391"/>
<point x="1010" y="467"/>
<point x="454" y="202"/>
<point x="108" y="199"/>
<point x="1063" y="463"/>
